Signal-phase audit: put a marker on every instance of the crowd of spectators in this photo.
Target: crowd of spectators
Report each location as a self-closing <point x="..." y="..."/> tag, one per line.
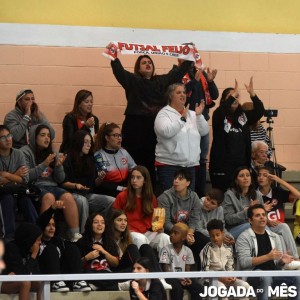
<point x="89" y="207"/>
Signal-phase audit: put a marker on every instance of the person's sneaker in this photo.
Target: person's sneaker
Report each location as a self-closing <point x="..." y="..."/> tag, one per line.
<point x="293" y="265"/>
<point x="81" y="286"/>
<point x="124" y="286"/>
<point x="76" y="237"/>
<point x="59" y="286"/>
<point x="165" y="284"/>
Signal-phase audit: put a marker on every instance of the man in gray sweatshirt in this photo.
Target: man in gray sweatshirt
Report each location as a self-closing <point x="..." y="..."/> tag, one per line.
<point x="25" y="114"/>
<point x="13" y="170"/>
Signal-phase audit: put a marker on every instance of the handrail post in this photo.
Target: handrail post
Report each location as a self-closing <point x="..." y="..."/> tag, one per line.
<point x="46" y="290"/>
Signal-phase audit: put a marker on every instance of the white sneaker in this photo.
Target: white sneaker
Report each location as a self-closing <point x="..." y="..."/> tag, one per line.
<point x="76" y="237"/>
<point x="165" y="284"/>
<point x="124" y="286"/>
<point x="81" y="286"/>
<point x="293" y="265"/>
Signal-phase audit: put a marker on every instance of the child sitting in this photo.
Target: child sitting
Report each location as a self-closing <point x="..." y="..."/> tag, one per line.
<point x="176" y="257"/>
<point x="210" y="208"/>
<point x="217" y="256"/>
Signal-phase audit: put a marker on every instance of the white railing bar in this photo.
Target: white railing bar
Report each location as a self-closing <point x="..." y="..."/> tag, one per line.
<point x="110" y="276"/>
<point x="46" y="279"/>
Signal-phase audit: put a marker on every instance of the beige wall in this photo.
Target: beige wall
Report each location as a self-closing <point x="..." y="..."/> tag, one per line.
<point x="57" y="73"/>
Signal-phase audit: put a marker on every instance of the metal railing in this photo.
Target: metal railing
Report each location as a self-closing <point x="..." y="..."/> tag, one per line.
<point x="213" y="275"/>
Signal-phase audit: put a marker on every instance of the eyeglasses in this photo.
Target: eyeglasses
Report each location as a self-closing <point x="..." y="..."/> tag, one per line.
<point x="4" y="138"/>
<point x="116" y="135"/>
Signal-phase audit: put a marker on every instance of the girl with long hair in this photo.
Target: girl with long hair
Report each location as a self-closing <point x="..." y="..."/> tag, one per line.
<point x="99" y="252"/>
<point x="46" y="171"/>
<point x="138" y="202"/>
<point x="81" y="117"/>
<point x="144" y="289"/>
<point x="81" y="177"/>
<point x="113" y="161"/>
<point x="56" y="255"/>
<point x="128" y="252"/>
<point x="238" y="199"/>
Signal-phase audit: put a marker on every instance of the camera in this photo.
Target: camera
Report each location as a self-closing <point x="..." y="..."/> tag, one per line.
<point x="269" y="113"/>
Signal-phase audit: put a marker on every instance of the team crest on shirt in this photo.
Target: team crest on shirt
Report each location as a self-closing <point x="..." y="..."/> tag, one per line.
<point x="124" y="161"/>
<point x="242" y="119"/>
<point x="184" y="257"/>
<point x="182" y="216"/>
<point x="164" y="255"/>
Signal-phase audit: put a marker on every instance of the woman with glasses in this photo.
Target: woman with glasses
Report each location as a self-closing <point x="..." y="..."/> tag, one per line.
<point x="47" y="172"/>
<point x="81" y="117"/>
<point x="82" y="177"/>
<point x="145" y="97"/>
<point x="13" y="169"/>
<point x="231" y="145"/>
<point x="113" y="162"/>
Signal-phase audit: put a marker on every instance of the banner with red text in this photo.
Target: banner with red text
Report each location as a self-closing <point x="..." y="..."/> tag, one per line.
<point x="187" y="51"/>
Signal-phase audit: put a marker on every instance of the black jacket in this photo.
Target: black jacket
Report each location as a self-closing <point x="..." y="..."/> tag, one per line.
<point x="70" y="126"/>
<point x="17" y="255"/>
<point x="222" y="145"/>
<point x="145" y="97"/>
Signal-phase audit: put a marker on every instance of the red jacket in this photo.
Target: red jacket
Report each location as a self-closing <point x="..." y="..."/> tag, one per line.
<point x="137" y="221"/>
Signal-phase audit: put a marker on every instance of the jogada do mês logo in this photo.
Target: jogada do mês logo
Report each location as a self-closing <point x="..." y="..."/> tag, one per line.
<point x="282" y="291"/>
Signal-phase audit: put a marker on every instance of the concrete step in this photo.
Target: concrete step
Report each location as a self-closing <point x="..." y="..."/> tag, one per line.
<point x="95" y="295"/>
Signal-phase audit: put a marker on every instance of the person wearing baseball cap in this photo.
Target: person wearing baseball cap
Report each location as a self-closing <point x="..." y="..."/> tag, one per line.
<point x="25" y="114"/>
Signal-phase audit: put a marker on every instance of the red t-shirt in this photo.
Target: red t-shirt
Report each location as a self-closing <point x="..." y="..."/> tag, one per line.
<point x="137" y="221"/>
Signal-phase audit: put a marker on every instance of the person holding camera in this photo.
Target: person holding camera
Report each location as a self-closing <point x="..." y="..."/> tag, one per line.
<point x="25" y="114"/>
<point x="231" y="145"/>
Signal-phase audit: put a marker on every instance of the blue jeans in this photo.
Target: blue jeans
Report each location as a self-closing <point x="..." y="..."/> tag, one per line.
<point x="8" y="204"/>
<point x="56" y="191"/>
<point x="166" y="173"/>
<point x="238" y="229"/>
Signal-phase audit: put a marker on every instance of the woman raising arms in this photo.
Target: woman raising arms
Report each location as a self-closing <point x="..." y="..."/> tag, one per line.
<point x="231" y="145"/>
<point x="145" y="97"/>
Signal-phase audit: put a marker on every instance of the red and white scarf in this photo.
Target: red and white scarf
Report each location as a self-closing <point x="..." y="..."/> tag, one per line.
<point x="186" y="51"/>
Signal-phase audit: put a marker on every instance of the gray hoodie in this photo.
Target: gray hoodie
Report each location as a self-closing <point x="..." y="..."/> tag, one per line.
<point x="185" y="210"/>
<point x="206" y="216"/>
<point x="40" y="174"/>
<point x="18" y="124"/>
<point x="234" y="212"/>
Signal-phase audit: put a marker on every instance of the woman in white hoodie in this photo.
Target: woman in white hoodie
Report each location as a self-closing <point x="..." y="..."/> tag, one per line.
<point x="178" y="132"/>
